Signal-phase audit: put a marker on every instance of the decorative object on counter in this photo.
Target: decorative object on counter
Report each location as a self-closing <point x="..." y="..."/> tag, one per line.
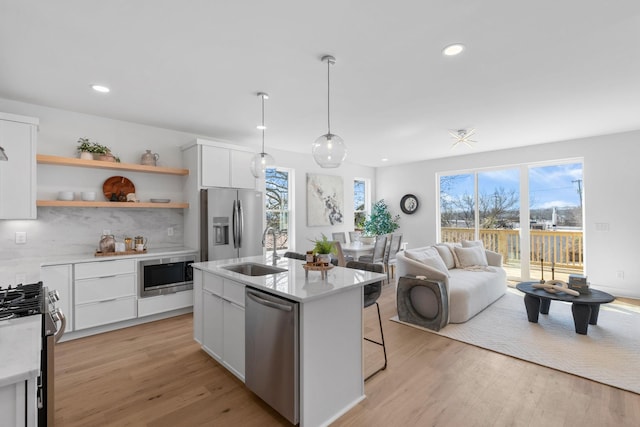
<point x="65" y="195"/>
<point x="380" y="221"/>
<point x="323" y="249"/>
<point x="92" y="150"/>
<point x="579" y="283"/>
<point x="128" y="243"/>
<point x="261" y="161"/>
<point x="149" y="158"/>
<point x="131" y="197"/>
<point x="139" y="240"/>
<point x="329" y="150"/>
<point x="116" y="188"/>
<point x="120" y="247"/>
<point x="107" y="243"/>
<point x="321" y="267"/>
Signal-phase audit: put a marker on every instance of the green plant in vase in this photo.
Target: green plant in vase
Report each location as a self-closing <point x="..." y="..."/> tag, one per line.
<point x="324" y="248"/>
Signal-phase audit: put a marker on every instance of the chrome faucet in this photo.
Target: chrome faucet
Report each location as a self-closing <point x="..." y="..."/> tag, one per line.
<point x="271" y="230"/>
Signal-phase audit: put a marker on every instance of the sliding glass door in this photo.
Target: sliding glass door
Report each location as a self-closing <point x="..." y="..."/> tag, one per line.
<point x="542" y="229"/>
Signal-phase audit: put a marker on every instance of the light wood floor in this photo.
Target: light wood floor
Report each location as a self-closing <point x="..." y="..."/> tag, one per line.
<point x="156" y="375"/>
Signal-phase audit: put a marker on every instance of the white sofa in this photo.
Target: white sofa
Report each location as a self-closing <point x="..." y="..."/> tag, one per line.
<point x="469" y="280"/>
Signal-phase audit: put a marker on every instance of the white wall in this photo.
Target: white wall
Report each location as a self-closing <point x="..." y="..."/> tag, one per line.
<point x="611" y="177"/>
<point x="303" y="164"/>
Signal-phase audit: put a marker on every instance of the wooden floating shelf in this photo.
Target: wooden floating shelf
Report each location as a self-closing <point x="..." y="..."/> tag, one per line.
<point x="127" y="205"/>
<point x="47" y="159"/>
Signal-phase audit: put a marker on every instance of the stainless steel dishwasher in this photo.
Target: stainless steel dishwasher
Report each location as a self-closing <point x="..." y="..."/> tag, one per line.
<point x="271" y="351"/>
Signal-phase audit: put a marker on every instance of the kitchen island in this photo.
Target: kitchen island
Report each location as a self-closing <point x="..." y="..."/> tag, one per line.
<point x="330" y="329"/>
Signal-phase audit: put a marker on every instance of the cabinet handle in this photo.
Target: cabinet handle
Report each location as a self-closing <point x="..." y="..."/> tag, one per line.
<point x="107" y="300"/>
<point x="107" y="277"/>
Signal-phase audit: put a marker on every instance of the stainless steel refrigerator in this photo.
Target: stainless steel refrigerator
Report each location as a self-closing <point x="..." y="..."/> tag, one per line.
<point x="231" y="223"/>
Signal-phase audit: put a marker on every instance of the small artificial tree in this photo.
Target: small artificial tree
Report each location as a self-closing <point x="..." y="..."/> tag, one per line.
<point x="381" y="221"/>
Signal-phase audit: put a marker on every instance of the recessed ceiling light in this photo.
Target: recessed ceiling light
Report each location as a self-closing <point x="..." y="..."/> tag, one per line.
<point x="384" y="160"/>
<point x="100" y="88"/>
<point x="453" y="49"/>
<point x="261" y="127"/>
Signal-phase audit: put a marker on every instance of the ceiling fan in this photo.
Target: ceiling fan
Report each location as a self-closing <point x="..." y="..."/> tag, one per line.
<point x="462" y="135"/>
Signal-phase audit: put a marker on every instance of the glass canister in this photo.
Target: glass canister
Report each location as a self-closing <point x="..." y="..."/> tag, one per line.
<point x="107" y="243"/>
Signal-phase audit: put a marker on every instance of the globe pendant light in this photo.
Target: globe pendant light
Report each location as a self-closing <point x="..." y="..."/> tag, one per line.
<point x="329" y="149"/>
<point x="261" y="161"/>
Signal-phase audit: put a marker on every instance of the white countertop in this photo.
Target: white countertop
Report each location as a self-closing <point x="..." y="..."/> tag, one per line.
<point x="292" y="283"/>
<point x="20" y="345"/>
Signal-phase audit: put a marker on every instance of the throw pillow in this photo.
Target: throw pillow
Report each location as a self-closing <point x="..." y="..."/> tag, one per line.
<point x="429" y="257"/>
<point x="472" y="243"/>
<point x="446" y="255"/>
<point x="470" y="257"/>
<point x="452" y="247"/>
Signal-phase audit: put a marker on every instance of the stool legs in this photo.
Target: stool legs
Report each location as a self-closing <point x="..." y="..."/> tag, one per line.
<point x="384" y="348"/>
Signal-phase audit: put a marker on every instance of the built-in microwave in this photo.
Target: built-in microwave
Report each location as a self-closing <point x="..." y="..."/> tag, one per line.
<point x="168" y="275"/>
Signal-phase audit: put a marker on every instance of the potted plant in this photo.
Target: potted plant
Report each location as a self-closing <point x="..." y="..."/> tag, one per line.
<point x="323" y="249"/>
<point x="97" y="151"/>
<point x="380" y="221"/>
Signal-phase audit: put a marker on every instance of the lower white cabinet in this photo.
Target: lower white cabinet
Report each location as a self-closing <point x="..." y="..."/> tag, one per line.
<point x="105" y="292"/>
<point x="197" y="305"/>
<point x="222" y="320"/>
<point x="212" y="337"/>
<point x="18" y="404"/>
<point x="233" y="339"/>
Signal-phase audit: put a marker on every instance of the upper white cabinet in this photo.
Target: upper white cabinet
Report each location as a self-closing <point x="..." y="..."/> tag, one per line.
<point x="18" y="136"/>
<point x="222" y="166"/>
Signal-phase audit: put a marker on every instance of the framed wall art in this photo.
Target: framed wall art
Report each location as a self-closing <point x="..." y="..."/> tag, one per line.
<point x="325" y="200"/>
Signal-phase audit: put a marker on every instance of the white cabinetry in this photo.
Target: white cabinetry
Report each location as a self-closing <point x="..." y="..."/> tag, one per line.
<point x="197" y="305"/>
<point x="18" y="137"/>
<point x="105" y="292"/>
<point x="163" y="303"/>
<point x="58" y="277"/>
<point x="18" y="404"/>
<point x="225" y="167"/>
<point x="222" y="320"/>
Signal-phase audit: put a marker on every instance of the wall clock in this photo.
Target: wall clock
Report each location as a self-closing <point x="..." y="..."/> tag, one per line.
<point x="409" y="204"/>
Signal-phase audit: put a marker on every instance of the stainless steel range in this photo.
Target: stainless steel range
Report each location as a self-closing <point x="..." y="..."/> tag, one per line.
<point x="31" y="300"/>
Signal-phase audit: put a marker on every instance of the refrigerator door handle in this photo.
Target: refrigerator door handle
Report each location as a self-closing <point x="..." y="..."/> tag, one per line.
<point x="240" y="223"/>
<point x="234" y="221"/>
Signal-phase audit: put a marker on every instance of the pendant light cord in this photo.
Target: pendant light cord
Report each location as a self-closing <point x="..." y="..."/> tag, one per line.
<point x="328" y="96"/>
<point x="262" y="96"/>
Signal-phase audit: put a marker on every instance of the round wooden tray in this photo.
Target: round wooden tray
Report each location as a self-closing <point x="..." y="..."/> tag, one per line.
<point x="312" y="267"/>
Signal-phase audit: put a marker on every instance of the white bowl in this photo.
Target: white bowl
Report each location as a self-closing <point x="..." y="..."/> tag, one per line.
<point x="88" y="195"/>
<point x="65" y="195"/>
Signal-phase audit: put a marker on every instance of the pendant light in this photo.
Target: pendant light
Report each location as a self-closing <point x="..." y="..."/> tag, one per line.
<point x="261" y="161"/>
<point x="3" y="155"/>
<point x="329" y="149"/>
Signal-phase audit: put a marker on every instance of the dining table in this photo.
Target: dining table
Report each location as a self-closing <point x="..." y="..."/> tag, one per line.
<point x="357" y="249"/>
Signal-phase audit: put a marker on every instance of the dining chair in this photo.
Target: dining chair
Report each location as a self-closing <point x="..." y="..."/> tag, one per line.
<point x="390" y="257"/>
<point x="379" y="249"/>
<point x="371" y="294"/>
<point x="342" y="259"/>
<point x="339" y="237"/>
<point x="295" y="255"/>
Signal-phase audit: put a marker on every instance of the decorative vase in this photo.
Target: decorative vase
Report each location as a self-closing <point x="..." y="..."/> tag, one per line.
<point x="85" y="155"/>
<point x="107" y="157"/>
<point x="149" y="158"/>
<point x="324" y="258"/>
<point x="367" y="240"/>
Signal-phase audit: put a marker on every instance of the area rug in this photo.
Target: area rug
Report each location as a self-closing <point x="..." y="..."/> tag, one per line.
<point x="609" y="354"/>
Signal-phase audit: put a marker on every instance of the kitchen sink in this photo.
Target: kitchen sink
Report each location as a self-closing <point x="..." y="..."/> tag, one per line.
<point x="253" y="269"/>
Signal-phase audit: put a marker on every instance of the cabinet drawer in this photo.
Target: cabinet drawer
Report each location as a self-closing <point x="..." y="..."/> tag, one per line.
<point x="234" y="292"/>
<point x="212" y="283"/>
<point x="105" y="268"/>
<point x="161" y="303"/>
<point x="104" y="288"/>
<point x="105" y="312"/>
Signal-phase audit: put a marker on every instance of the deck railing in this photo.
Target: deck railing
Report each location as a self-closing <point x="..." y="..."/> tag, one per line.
<point x="564" y="248"/>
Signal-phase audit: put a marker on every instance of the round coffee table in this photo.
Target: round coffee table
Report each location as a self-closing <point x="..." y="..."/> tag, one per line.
<point x="585" y="308"/>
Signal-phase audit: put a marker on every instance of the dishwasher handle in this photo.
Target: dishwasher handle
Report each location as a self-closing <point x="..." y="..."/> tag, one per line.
<point x="268" y="303"/>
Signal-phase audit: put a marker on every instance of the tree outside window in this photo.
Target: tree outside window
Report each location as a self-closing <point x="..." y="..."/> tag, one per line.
<point x="359" y="202"/>
<point x="277" y="205"/>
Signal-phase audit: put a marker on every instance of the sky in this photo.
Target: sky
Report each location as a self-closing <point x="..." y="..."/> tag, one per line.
<point x="549" y="186"/>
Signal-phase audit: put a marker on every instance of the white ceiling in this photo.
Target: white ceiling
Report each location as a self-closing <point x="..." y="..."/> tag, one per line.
<point x="532" y="72"/>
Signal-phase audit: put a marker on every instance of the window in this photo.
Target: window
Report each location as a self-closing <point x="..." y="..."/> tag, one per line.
<point x="278" y="204"/>
<point x="359" y="202"/>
